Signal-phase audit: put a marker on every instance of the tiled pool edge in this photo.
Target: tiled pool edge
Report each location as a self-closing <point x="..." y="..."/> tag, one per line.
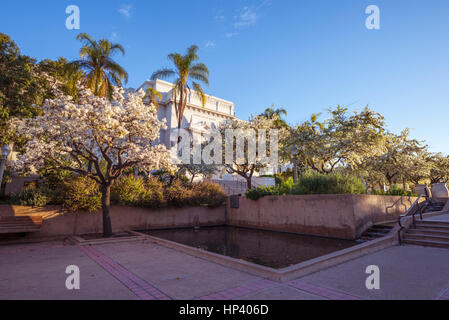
<point x="285" y="274"/>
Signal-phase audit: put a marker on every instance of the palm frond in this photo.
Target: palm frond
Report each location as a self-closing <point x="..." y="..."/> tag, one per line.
<point x="115" y="69"/>
<point x="200" y="93"/>
<point x="117" y="47"/>
<point x="162" y="74"/>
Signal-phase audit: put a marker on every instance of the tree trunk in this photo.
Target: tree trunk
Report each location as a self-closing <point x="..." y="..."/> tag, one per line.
<point x="249" y="182"/>
<point x="106" y="205"/>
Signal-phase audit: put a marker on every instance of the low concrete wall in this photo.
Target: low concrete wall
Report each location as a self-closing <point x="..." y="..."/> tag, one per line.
<point x="338" y="216"/>
<point x="59" y="223"/>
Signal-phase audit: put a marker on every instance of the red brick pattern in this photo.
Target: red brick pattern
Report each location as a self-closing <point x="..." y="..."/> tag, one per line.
<point x="138" y="286"/>
<point x="321" y="291"/>
<point x="240" y="291"/>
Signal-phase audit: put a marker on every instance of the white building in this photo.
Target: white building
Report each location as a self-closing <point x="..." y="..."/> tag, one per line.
<point x="197" y="118"/>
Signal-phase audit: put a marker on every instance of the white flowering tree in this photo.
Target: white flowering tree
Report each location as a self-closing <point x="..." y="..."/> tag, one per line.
<point x="110" y="136"/>
<point x="251" y="146"/>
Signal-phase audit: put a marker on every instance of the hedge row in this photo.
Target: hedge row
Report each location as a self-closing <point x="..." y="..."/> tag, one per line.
<point x="82" y="193"/>
<point x="315" y="183"/>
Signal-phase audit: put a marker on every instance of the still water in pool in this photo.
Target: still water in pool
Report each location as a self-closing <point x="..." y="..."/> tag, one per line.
<point x="272" y="249"/>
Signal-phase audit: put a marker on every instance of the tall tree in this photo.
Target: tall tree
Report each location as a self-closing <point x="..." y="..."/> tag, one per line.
<point x="341" y="141"/>
<point x="21" y="87"/>
<point x="439" y="168"/>
<point x="399" y="158"/>
<point x="245" y="161"/>
<point x="153" y="96"/>
<point x="97" y="60"/>
<point x="65" y="74"/>
<point x="113" y="135"/>
<point x="271" y="113"/>
<point x="189" y="74"/>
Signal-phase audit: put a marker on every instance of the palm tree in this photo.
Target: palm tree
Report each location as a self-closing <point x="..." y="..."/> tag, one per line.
<point x="271" y="113"/>
<point x="102" y="71"/>
<point x="189" y="73"/>
<point x="153" y="96"/>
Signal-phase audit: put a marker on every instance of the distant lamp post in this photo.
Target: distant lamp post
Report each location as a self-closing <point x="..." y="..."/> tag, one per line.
<point x="295" y="169"/>
<point x="6" y="150"/>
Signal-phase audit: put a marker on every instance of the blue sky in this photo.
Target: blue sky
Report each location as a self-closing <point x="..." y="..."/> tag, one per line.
<point x="303" y="55"/>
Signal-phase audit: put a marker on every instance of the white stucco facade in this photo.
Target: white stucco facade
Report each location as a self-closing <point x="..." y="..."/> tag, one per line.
<point x="196" y="117"/>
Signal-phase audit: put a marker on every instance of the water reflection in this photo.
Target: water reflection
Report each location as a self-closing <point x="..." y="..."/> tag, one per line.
<point x="272" y="249"/>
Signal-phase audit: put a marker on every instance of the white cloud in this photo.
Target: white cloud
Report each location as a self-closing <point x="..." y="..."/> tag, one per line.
<point x="114" y="36"/>
<point x="210" y="44"/>
<point x="230" y="35"/>
<point x="219" y="18"/>
<point x="125" y="10"/>
<point x="247" y="17"/>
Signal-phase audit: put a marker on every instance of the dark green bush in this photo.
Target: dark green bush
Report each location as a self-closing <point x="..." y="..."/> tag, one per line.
<point x="138" y="191"/>
<point x="154" y="194"/>
<point x="208" y="193"/>
<point x="395" y="191"/>
<point x="33" y="196"/>
<point x="315" y="183"/>
<point x="128" y="190"/>
<point x="312" y="183"/>
<point x="82" y="193"/>
<point x="178" y="195"/>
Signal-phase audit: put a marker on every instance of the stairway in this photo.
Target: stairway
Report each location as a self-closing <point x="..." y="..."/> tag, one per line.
<point x="428" y="233"/>
<point x="434" y="206"/>
<point x="375" y="232"/>
<point x="20" y="224"/>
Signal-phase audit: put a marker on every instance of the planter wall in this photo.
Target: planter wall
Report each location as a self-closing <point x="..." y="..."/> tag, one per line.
<point x="420" y="189"/>
<point x="439" y="190"/>
<point x="59" y="223"/>
<point x="338" y="216"/>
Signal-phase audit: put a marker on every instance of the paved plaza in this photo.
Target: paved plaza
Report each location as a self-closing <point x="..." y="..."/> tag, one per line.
<point x="147" y="271"/>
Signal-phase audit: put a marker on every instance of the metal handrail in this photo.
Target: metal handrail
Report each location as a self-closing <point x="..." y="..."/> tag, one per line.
<point x="407" y="213"/>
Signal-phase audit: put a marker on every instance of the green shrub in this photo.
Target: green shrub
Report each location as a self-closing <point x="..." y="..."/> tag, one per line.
<point x="128" y="190"/>
<point x="32" y="196"/>
<point x="208" y="193"/>
<point x="138" y="192"/>
<point x="177" y="194"/>
<point x="82" y="193"/>
<point x="154" y="194"/>
<point x="312" y="183"/>
<point x="395" y="191"/>
<point x="315" y="183"/>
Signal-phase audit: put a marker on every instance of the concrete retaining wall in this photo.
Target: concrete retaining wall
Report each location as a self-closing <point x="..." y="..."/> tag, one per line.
<point x="59" y="223"/>
<point x="339" y="216"/>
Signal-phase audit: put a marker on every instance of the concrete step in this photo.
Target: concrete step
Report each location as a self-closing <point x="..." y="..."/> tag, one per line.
<point x="433" y="222"/>
<point x="426" y="237"/>
<point x="429" y="232"/>
<point x="426" y="243"/>
<point x="373" y="234"/>
<point x="432" y="225"/>
<point x="381" y="228"/>
<point x="432" y="209"/>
